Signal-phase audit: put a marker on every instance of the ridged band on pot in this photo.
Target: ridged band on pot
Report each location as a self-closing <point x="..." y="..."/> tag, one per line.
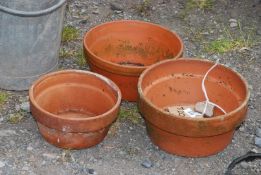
<point x="72" y="139"/>
<point x="108" y="31"/>
<point x="122" y="82"/>
<point x="64" y="131"/>
<point x="187" y="128"/>
<point x="188" y="146"/>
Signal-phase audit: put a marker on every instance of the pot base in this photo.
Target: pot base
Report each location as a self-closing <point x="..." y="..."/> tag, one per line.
<point x="188" y="146"/>
<point x="70" y="140"/>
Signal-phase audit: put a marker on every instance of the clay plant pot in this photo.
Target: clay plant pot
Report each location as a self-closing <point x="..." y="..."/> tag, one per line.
<point x="74" y="109"/>
<point x="178" y="82"/>
<point x="122" y="50"/>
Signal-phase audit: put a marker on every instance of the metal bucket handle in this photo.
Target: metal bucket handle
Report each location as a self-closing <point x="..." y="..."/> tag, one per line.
<point x="32" y="14"/>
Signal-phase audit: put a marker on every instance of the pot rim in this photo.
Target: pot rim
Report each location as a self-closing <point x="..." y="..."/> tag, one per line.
<point x="101" y="77"/>
<point x="220" y="117"/>
<point x="135" y="70"/>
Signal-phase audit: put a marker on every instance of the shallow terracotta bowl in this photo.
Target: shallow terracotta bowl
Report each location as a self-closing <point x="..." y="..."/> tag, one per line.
<point x="74" y="109"/>
<point x="178" y="82"/>
<point x="121" y="50"/>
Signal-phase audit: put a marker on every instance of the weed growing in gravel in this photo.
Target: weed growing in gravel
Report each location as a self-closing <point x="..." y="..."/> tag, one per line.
<point x="131" y="151"/>
<point x="15" y="118"/>
<point x="80" y="59"/>
<point x="64" y="53"/>
<point x="76" y="54"/>
<point x="231" y="41"/>
<point x="70" y="33"/>
<point x="143" y="8"/>
<point x="222" y="45"/>
<point x="130" y="114"/>
<point x="193" y="4"/>
<point x="66" y="156"/>
<point x="3" y="97"/>
<point x="201" y="4"/>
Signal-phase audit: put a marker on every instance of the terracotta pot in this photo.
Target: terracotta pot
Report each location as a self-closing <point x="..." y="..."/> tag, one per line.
<point x="74" y="109"/>
<point x="121" y="50"/>
<point x="174" y="83"/>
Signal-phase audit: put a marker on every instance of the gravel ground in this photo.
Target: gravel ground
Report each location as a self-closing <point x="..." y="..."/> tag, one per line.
<point x="127" y="150"/>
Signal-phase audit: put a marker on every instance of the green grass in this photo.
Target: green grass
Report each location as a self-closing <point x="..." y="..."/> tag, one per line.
<point x="78" y="55"/>
<point x="64" y="53"/>
<point x="231" y="41"/>
<point x="201" y="4"/>
<point x="130" y="114"/>
<point x="66" y="156"/>
<point x="196" y="4"/>
<point x="15" y="118"/>
<point x="80" y="59"/>
<point x="3" y="97"/>
<point x="143" y="7"/>
<point x="70" y="33"/>
<point x="224" y="45"/>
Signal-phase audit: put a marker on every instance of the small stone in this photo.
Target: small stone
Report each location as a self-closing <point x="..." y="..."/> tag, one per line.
<point x="29" y="148"/>
<point x="43" y="163"/>
<point x="244" y="165"/>
<point x="233" y="20"/>
<point x="233" y="24"/>
<point x="91" y="171"/>
<point x="258" y="141"/>
<point x="118" y="11"/>
<point x="254" y="150"/>
<point x="121" y="152"/>
<point x="258" y="132"/>
<point x="50" y="156"/>
<point x="12" y="143"/>
<point x="2" y="164"/>
<point x="83" y="11"/>
<point x="25" y="106"/>
<point x="116" y="7"/>
<point x="147" y="164"/>
<point x="241" y="129"/>
<point x="83" y="21"/>
<point x="96" y="12"/>
<point x="25" y="168"/>
<point x="17" y="107"/>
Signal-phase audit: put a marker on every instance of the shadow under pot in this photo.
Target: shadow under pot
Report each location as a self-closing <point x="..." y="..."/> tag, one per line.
<point x="175" y="83"/>
<point x="122" y="50"/>
<point x="74" y="109"/>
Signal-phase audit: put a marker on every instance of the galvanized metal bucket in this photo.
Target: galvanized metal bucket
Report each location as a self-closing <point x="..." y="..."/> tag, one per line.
<point x="30" y="36"/>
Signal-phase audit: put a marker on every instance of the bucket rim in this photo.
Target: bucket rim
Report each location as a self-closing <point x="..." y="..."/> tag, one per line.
<point x="32" y="13"/>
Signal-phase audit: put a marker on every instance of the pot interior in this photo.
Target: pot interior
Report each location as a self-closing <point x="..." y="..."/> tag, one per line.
<point x="132" y="43"/>
<point x="178" y="83"/>
<point x="75" y="95"/>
